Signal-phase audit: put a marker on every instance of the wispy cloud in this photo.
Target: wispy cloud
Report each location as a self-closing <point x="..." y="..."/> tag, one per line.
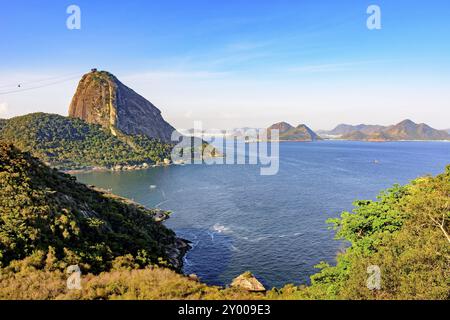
<point x="330" y="67"/>
<point x="169" y="74"/>
<point x="246" y="45"/>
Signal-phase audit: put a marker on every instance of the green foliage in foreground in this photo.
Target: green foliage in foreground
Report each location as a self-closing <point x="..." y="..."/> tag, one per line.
<point x="32" y="279"/>
<point x="405" y="233"/>
<point x="47" y="211"/>
<point x="68" y="143"/>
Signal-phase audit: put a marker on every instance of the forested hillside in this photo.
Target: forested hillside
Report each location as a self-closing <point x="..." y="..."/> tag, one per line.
<point x="68" y="143"/>
<point x="405" y="233"/>
<point x="45" y="211"/>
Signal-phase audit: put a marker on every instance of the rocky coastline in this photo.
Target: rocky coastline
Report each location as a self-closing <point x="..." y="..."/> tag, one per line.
<point x="119" y="168"/>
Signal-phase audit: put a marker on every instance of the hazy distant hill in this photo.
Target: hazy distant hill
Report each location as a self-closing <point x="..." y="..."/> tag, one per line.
<point x="344" y="129"/>
<point x="408" y="130"/>
<point x="405" y="130"/>
<point x="288" y="132"/>
<point x="102" y="99"/>
<point x="355" y="136"/>
<point x="360" y="136"/>
<point x="69" y="143"/>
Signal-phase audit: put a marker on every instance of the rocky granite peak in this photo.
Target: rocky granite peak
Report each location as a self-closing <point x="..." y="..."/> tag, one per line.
<point x="102" y="99"/>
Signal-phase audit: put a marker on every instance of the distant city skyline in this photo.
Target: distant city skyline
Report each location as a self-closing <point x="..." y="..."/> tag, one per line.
<point x="236" y="64"/>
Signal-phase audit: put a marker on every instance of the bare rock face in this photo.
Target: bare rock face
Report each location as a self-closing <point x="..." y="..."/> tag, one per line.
<point x="248" y="282"/>
<point x="102" y="99"/>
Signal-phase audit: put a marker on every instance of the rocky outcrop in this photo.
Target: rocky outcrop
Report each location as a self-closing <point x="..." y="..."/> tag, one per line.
<point x="102" y="99"/>
<point x="247" y="281"/>
<point x="176" y="252"/>
<point x="160" y="215"/>
<point x="346" y="129"/>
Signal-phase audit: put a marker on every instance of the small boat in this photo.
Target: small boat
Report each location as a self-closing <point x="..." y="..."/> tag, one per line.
<point x="152" y="186"/>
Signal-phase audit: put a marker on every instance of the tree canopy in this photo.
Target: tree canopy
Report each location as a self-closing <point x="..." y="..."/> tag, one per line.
<point x="69" y="143"/>
<point x="44" y="210"/>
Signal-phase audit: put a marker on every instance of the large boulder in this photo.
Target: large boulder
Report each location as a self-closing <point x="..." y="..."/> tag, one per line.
<point x="247" y="281"/>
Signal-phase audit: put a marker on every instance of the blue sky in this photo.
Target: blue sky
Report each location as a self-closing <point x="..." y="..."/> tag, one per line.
<point x="237" y="63"/>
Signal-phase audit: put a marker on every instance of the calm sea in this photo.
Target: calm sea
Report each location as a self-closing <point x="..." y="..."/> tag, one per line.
<point x="275" y="225"/>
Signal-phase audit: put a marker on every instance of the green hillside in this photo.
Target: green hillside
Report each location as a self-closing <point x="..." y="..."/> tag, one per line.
<point x="406" y="233"/>
<point x="47" y="211"/>
<point x="68" y="143"/>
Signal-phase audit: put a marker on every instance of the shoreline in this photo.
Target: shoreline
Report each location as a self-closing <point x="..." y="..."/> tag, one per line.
<point x="177" y="250"/>
<point x="106" y="169"/>
<point x="123" y="168"/>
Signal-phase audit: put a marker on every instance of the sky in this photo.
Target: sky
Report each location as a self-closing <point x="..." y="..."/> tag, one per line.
<point x="236" y="63"/>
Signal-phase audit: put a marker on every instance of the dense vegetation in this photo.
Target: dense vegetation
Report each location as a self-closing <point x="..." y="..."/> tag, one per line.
<point x="68" y="143"/>
<point x="405" y="233"/>
<point x="47" y="212"/>
<point x="48" y="221"/>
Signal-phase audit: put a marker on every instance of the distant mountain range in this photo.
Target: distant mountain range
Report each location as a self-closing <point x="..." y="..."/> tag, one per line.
<point x="287" y="132"/>
<point x="405" y="130"/>
<point x="344" y="129"/>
